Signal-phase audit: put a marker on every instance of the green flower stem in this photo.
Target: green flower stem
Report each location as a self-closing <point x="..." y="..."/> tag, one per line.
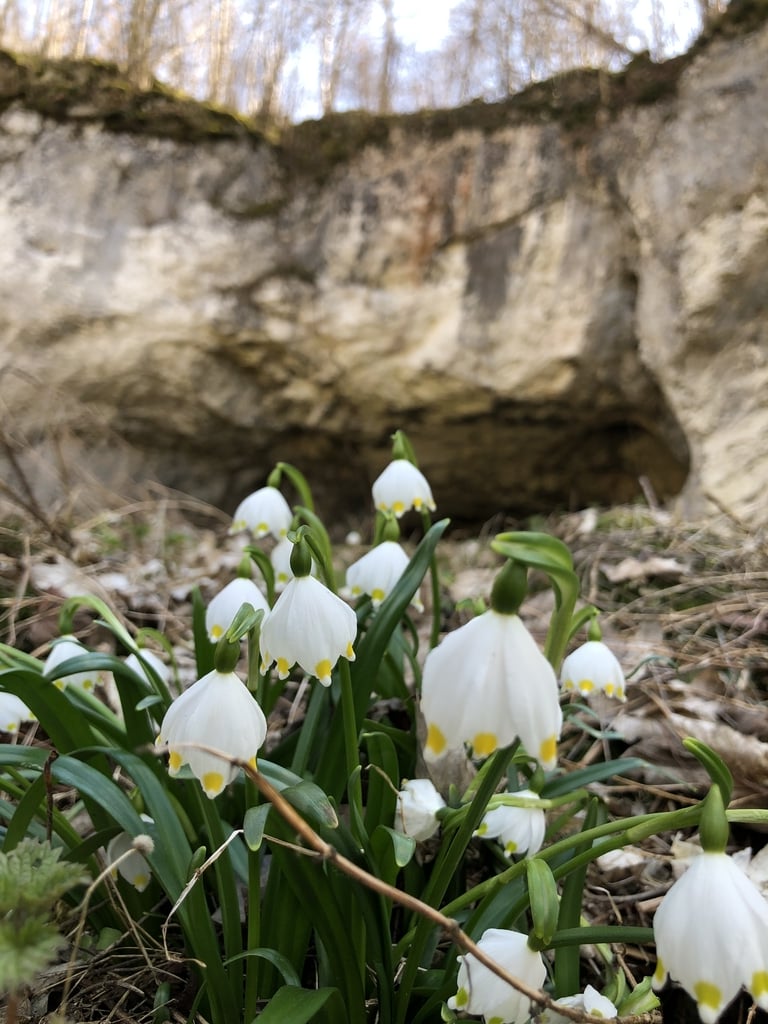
<point x="632" y="830"/>
<point x="228" y="899"/>
<point x="253" y="911"/>
<point x="348" y="719"/>
<point x="448" y="863"/>
<point x="434" y="578"/>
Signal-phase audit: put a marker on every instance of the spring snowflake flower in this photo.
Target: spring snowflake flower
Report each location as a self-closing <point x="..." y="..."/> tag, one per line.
<point x="13" y="711"/>
<point x="130" y="862"/>
<point x="590" y="1001"/>
<point x="377" y="572"/>
<point x="223" y="608"/>
<point x="64" y="650"/>
<point x="309" y="626"/>
<point x="216" y="712"/>
<point x="402" y="486"/>
<point x="711" y="934"/>
<point x="265" y="511"/>
<point x="417" y="805"/>
<point x="280" y="557"/>
<point x="593" y="667"/>
<point x="154" y="662"/>
<point x="483" y="992"/>
<point x="486" y="683"/>
<point x="518" y="829"/>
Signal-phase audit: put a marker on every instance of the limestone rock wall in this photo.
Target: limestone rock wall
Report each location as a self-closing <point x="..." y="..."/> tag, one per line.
<point x="552" y="307"/>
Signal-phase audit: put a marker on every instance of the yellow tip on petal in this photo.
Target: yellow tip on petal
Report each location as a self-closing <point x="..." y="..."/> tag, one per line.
<point x="586" y="686"/>
<point x="323" y="670"/>
<point x="484" y="744"/>
<point x="462" y="998"/>
<point x="175" y="761"/>
<point x="436" y="741"/>
<point x="252" y="763"/>
<point x="610" y="689"/>
<point x="87" y="684"/>
<point x="216" y="632"/>
<point x="398" y="508"/>
<point x="707" y="994"/>
<point x="283" y="668"/>
<point x="140" y="882"/>
<point x="417" y="503"/>
<point x="759" y="985"/>
<point x="262" y="529"/>
<point x="548" y="750"/>
<point x="349" y="654"/>
<point x="377" y="595"/>
<point x="213" y="783"/>
<point x="59" y="684"/>
<point x="660" y="974"/>
<point x="510" y="848"/>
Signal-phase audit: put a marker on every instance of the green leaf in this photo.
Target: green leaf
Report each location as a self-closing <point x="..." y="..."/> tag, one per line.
<point x="312" y="804"/>
<point x="563" y="784"/>
<point x="292" y="1005"/>
<point x="272" y="956"/>
<point x="715" y="766"/>
<point x="391" y="851"/>
<point x="253" y="825"/>
<point x="25" y="951"/>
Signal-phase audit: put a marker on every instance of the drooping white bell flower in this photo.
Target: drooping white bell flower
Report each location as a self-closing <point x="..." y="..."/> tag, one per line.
<point x="216" y="712"/>
<point x="160" y="668"/>
<point x="63" y="650"/>
<point x="485" y="684"/>
<point x="309" y="626"/>
<point x="590" y="1001"/>
<point x="711" y="934"/>
<point x="518" y="829"/>
<point x="591" y="668"/>
<point x="265" y="511"/>
<point x="280" y="557"/>
<point x="223" y="608"/>
<point x="402" y="486"/>
<point x="417" y="805"/>
<point x="128" y="861"/>
<point x="483" y="992"/>
<point x="13" y="711"/>
<point x="378" y="571"/>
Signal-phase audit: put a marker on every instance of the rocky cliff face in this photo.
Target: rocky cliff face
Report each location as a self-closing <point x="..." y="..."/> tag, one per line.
<point x="554" y="297"/>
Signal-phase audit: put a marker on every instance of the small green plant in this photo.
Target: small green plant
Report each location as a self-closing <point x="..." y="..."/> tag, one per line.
<point x="32" y="879"/>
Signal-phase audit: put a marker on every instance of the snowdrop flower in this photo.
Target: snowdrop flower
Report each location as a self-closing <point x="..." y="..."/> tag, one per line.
<point x="159" y="667"/>
<point x="377" y="572"/>
<point x="309" y="626"/>
<point x="223" y="608"/>
<point x="64" y="650"/>
<point x="590" y="1001"/>
<point x="265" y="511"/>
<point x="711" y="934"/>
<point x="13" y="711"/>
<point x="518" y="829"/>
<point x="486" y="683"/>
<point x="400" y="487"/>
<point x="216" y="712"/>
<point x="128" y="860"/>
<point x="417" y="805"/>
<point x="593" y="667"/>
<point x="483" y="992"/>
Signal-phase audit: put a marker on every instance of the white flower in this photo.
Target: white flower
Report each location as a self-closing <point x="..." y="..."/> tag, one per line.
<point x="227" y="603"/>
<point x="64" y="650"/>
<point x="402" y="486"/>
<point x="132" y="864"/>
<point x="13" y="711"/>
<point x="265" y="511"/>
<point x="377" y="572"/>
<point x="483" y="992"/>
<point x="280" y="557"/>
<point x="216" y="712"/>
<point x="592" y="667"/>
<point x="417" y="805"/>
<point x="590" y="1001"/>
<point x="160" y="668"/>
<point x="486" y="683"/>
<point x="308" y="625"/>
<point x="711" y="934"/>
<point x="518" y="829"/>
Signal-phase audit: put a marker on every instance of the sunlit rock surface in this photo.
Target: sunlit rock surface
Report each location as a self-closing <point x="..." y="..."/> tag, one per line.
<point x="555" y="297"/>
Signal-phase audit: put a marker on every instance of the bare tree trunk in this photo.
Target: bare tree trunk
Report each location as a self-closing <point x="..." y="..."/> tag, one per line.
<point x="389" y="54"/>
